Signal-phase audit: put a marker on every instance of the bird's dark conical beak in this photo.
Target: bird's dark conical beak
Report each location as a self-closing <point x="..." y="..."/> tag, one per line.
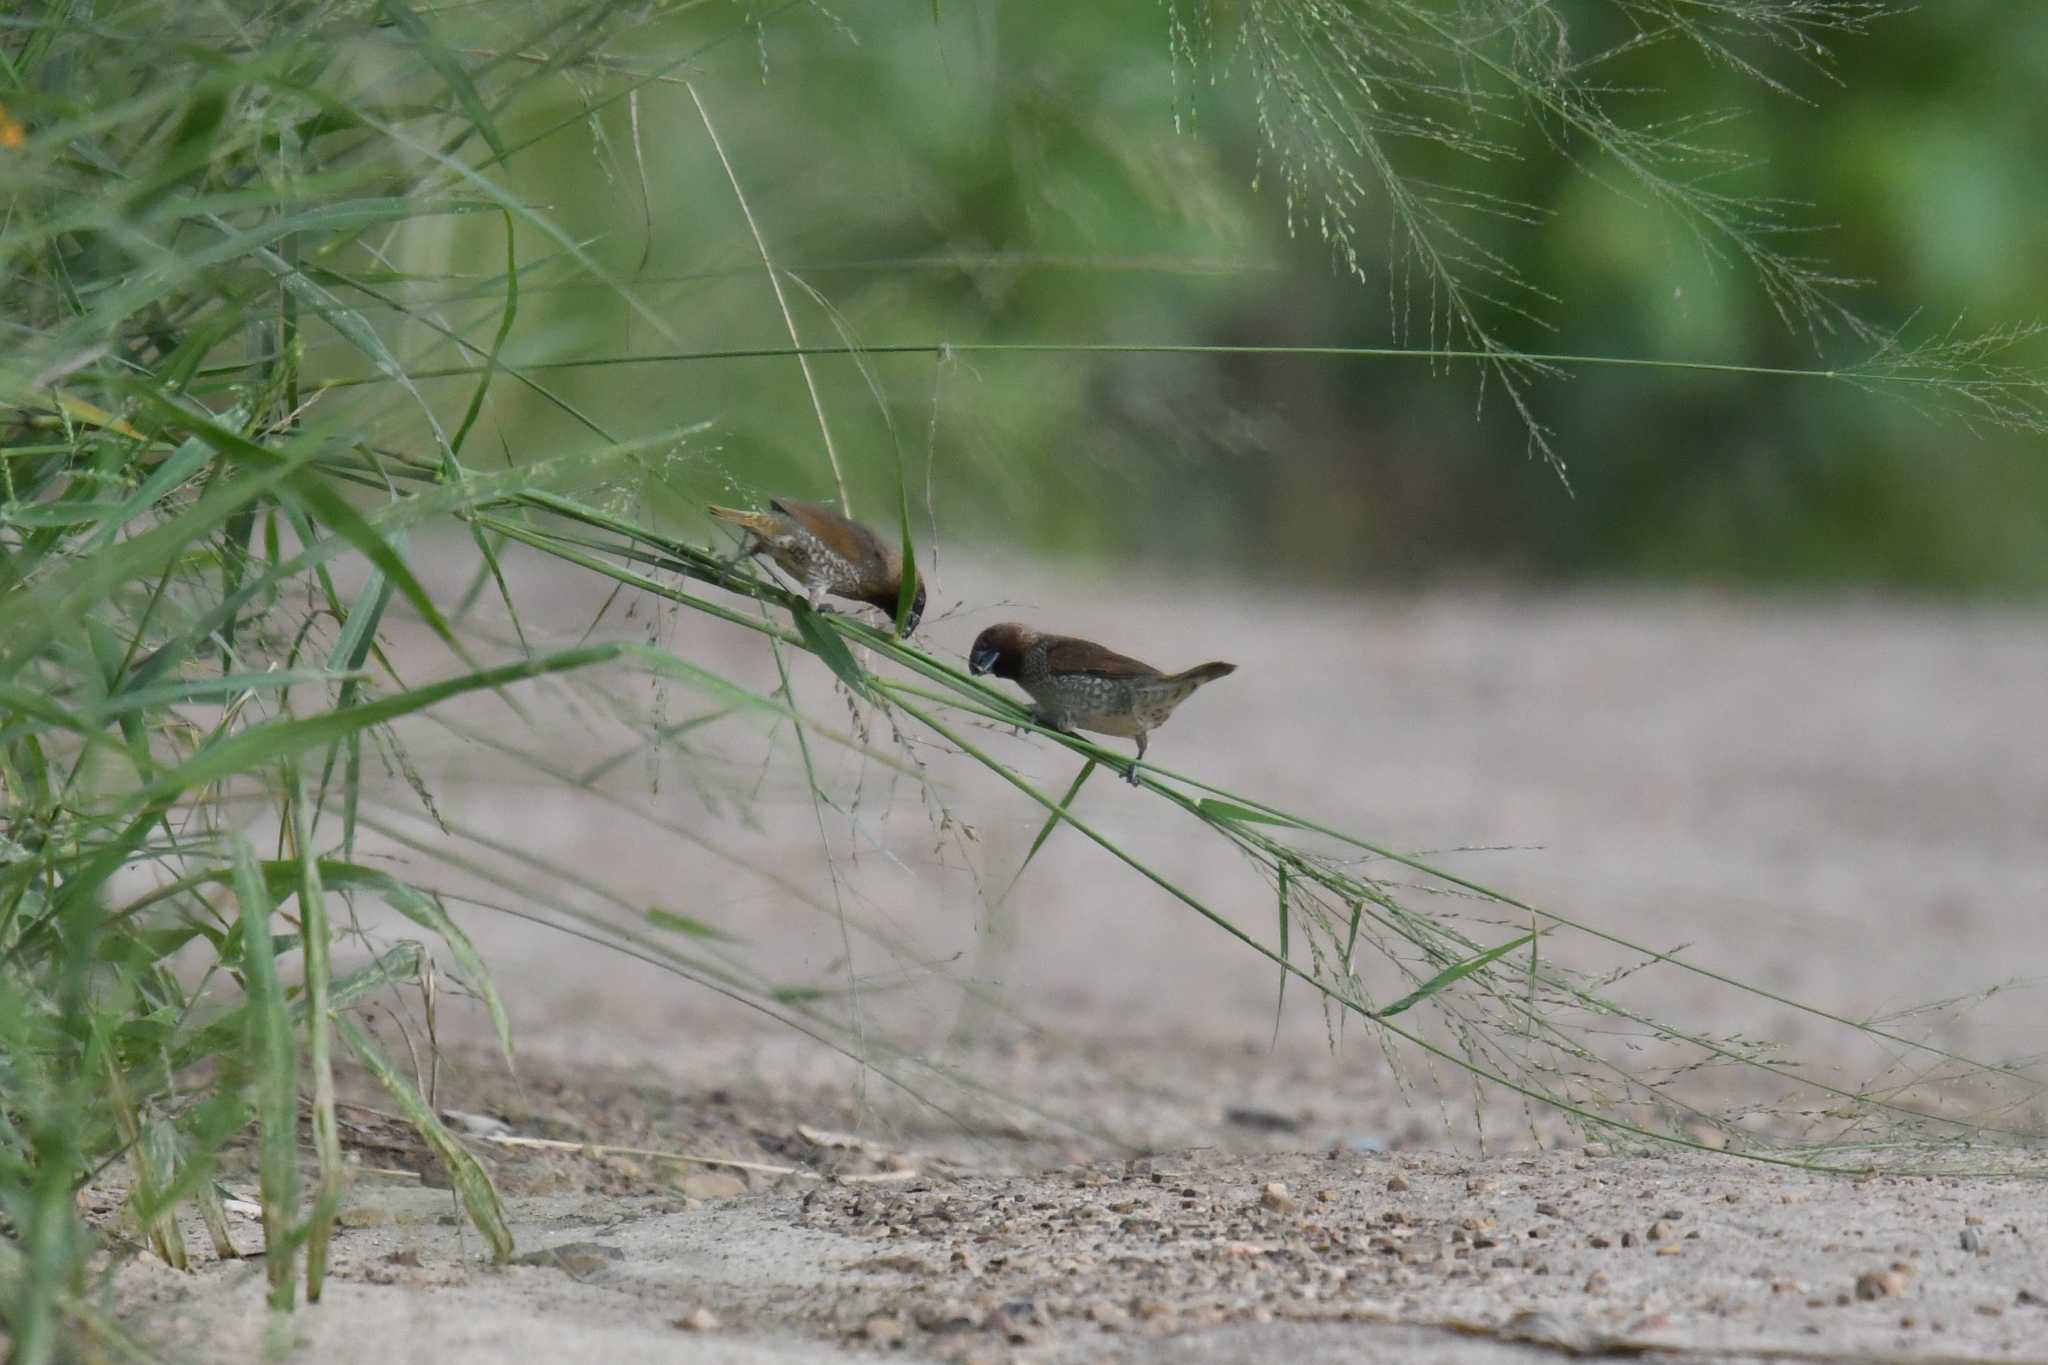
<point x="981" y="661"/>
<point x="916" y="613"/>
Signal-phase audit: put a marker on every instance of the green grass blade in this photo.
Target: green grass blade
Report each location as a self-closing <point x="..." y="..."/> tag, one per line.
<point x="319" y="499"/>
<point x="451" y="69"/>
<point x="465" y="1173"/>
<point x="824" y="642"/>
<point x="1052" y="820"/>
<point x="1280" y="998"/>
<point x="684" y="924"/>
<point x="1210" y="808"/>
<point x="1456" y="972"/>
<point x="318" y="935"/>
<point x="272" y="1057"/>
<point x="429" y="913"/>
<point x="258" y="744"/>
<point x="906" y="592"/>
<point x="225" y="1034"/>
<point x="215" y="1215"/>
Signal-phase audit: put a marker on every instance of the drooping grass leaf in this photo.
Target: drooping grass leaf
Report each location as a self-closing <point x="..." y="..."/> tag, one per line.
<point x="1052" y="820"/>
<point x="1451" y="974"/>
<point x="428" y="912"/>
<point x="824" y="642"/>
<point x="472" y="1185"/>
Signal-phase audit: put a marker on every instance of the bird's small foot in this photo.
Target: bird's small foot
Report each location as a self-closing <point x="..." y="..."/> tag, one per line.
<point x="1131" y="774"/>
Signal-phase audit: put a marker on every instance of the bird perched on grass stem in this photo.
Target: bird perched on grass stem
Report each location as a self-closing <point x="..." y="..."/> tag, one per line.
<point x="1079" y="685"/>
<point x="826" y="553"/>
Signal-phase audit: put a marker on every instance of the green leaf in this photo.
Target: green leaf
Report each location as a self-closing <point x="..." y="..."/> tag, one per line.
<point x="319" y="498"/>
<point x="1450" y="974"/>
<point x="465" y="1173"/>
<point x="225" y="1034"/>
<point x="683" y="924"/>
<point x="260" y="744"/>
<point x="1209" y="808"/>
<point x="445" y="62"/>
<point x="428" y="912"/>
<point x="906" y="591"/>
<point x="351" y="649"/>
<point x="1280" y="1000"/>
<point x="1057" y="814"/>
<point x="191" y="148"/>
<point x="824" y="642"/>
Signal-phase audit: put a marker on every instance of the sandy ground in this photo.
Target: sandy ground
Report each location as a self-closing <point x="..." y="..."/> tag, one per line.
<point x="1843" y="802"/>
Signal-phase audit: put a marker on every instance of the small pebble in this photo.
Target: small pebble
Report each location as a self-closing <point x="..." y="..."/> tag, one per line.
<point x="1880" y="1284"/>
<point x="882" y="1330"/>
<point x="698" y="1320"/>
<point x="1972" y="1239"/>
<point x="1278" y="1199"/>
<point x="1397" y="1183"/>
<point x="1661" y="1231"/>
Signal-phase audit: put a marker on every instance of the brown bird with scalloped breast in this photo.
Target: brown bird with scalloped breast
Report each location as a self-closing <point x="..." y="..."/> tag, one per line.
<point x="826" y="553"/>
<point x="1079" y="685"/>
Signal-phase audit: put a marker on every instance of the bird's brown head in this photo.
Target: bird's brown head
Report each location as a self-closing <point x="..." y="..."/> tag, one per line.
<point x="998" y="649"/>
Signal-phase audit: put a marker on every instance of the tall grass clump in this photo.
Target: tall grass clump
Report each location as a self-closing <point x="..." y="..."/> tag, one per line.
<point x="281" y="340"/>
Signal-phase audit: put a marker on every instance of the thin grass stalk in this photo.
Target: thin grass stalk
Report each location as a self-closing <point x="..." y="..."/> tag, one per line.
<point x="272" y="1054"/>
<point x="215" y="1216"/>
<point x="1431" y="355"/>
<point x="781" y="299"/>
<point x="317" y="936"/>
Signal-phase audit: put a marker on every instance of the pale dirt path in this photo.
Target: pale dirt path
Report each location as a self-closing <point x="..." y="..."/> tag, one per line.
<point x="1843" y="801"/>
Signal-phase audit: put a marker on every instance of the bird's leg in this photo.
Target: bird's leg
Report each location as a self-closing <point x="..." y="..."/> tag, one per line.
<point x="816" y="595"/>
<point x="726" y="566"/>
<point x="1131" y="773"/>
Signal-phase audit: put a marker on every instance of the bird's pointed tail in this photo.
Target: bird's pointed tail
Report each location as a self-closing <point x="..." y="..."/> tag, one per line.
<point x="1204" y="673"/>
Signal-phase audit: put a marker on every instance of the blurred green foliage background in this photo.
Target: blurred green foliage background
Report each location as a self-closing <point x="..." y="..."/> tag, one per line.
<point x="1077" y="173"/>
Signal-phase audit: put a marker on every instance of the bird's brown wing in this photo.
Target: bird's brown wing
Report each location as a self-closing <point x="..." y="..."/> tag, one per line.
<point x="1065" y="654"/>
<point x="853" y="541"/>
